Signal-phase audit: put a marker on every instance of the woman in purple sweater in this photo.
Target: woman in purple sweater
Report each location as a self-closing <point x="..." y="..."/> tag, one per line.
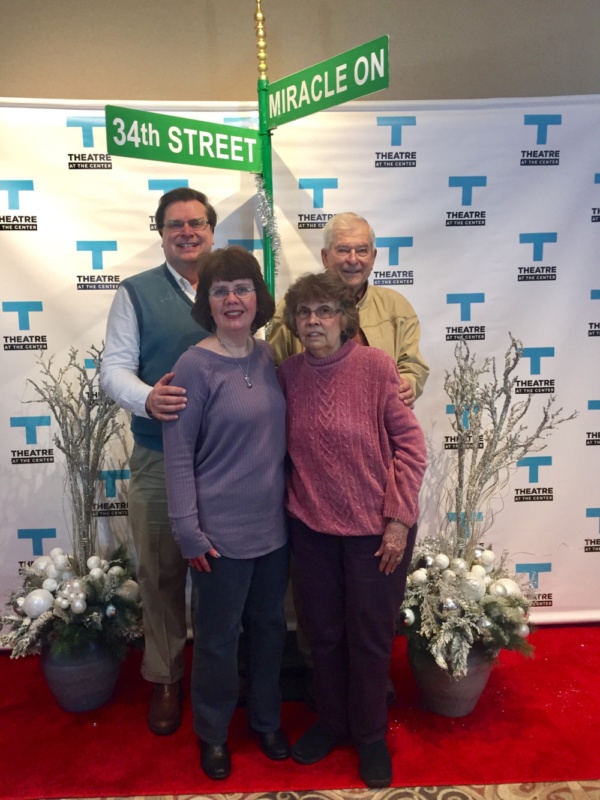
<point x="224" y="472"/>
<point x="357" y="462"/>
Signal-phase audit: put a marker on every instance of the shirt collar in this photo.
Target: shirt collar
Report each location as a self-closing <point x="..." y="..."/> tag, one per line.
<point x="182" y="282"/>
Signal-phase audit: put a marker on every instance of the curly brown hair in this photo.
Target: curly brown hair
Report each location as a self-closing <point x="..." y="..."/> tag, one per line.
<point x="230" y="264"/>
<point x="323" y="287"/>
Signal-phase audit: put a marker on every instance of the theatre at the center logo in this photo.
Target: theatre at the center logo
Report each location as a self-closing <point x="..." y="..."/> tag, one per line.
<point x="85" y="159"/>
<point x="392" y="157"/>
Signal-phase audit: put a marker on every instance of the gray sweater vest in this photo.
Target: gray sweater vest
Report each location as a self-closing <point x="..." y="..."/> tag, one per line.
<point x="166" y="328"/>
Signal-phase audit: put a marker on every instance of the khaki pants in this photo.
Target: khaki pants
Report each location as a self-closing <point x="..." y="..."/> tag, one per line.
<point x="162" y="570"/>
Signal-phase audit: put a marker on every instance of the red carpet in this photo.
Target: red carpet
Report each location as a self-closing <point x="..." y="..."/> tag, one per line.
<point x="537" y="721"/>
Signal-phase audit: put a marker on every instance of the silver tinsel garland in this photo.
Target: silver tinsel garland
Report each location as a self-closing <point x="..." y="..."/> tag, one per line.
<point x="264" y="207"/>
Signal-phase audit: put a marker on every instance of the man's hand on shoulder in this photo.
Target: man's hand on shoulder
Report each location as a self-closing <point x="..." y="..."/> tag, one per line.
<point x="164" y="400"/>
<point x="406" y="392"/>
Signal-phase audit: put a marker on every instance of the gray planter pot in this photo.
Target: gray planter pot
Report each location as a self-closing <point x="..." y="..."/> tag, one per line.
<point x="81" y="681"/>
<point x="442" y="694"/>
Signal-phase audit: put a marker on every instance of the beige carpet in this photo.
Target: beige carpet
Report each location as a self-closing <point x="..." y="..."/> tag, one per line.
<point x="573" y="790"/>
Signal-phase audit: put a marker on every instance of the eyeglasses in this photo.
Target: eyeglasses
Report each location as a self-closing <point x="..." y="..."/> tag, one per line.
<point x="241" y="292"/>
<point x="179" y="224"/>
<point x="322" y="312"/>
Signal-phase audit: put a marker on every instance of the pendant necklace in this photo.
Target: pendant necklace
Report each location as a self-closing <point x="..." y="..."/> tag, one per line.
<point x="244" y="372"/>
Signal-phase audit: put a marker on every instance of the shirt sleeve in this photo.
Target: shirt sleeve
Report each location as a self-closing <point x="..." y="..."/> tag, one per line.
<point x="120" y="361"/>
<point x="411" y="364"/>
<point x="407" y="467"/>
<point x="179" y="440"/>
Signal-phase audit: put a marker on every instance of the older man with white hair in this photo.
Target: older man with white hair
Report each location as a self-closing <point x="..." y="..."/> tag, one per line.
<point x="387" y="319"/>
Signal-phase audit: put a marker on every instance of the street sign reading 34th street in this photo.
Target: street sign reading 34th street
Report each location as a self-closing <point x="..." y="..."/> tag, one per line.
<point x="161" y="137"/>
<point x="352" y="74"/>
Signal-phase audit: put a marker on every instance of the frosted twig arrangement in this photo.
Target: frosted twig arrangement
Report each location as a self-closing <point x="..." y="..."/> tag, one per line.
<point x="492" y="435"/>
<point x="86" y="419"/>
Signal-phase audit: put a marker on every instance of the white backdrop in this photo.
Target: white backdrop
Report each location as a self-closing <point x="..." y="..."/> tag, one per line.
<point x="487" y="216"/>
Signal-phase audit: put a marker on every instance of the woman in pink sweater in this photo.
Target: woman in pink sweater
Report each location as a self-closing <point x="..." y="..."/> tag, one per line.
<point x="357" y="462"/>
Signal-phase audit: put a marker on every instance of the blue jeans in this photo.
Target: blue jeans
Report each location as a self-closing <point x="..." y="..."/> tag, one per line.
<point x="238" y="592"/>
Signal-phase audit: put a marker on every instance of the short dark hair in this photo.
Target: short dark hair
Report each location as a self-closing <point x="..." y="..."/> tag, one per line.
<point x="322" y="287"/>
<point x="183" y="194"/>
<point x="230" y="264"/>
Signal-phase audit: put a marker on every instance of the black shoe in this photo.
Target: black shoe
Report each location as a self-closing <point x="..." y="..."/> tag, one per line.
<point x="274" y="744"/>
<point x="215" y="760"/>
<point x="314" y="745"/>
<point x="375" y="764"/>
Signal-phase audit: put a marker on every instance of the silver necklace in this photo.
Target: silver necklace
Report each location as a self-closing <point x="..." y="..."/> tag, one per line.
<point x="244" y="372"/>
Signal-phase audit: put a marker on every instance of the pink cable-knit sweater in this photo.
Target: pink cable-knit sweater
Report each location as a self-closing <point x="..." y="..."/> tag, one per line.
<point x="357" y="452"/>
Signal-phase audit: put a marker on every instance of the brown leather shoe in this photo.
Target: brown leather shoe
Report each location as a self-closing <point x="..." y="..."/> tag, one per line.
<point x="164" y="714"/>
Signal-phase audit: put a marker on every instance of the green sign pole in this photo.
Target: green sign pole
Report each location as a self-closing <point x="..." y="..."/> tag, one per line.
<point x="265" y="143"/>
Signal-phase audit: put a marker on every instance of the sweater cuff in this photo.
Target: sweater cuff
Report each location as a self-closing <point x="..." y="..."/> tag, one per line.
<point x="190" y="539"/>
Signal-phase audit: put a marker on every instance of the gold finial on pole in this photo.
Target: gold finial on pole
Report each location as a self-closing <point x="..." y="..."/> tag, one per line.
<point x="261" y="42"/>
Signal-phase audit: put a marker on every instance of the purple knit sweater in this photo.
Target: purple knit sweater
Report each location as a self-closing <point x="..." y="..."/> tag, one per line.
<point x="357" y="452"/>
<point x="224" y="456"/>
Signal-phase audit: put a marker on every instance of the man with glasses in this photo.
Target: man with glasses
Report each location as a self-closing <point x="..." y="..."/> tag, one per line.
<point x="149" y="327"/>
<point x="387" y="319"/>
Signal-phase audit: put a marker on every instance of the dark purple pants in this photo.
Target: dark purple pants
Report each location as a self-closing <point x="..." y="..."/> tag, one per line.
<point x="350" y="609"/>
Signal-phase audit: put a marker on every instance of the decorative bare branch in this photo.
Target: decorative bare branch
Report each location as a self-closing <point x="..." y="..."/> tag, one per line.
<point x="86" y="419"/>
<point x="491" y="436"/>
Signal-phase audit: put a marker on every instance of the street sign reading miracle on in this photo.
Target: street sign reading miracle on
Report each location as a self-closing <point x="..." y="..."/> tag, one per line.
<point x="352" y="74"/>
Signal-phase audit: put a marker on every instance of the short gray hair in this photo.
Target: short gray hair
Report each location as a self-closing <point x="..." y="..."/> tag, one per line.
<point x="345" y="220"/>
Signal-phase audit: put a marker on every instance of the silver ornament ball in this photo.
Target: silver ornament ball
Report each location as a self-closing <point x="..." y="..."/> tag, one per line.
<point x="407" y="617"/>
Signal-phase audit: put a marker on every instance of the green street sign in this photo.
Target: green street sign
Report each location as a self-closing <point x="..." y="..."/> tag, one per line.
<point x="160" y="137"/>
<point x="352" y="74"/>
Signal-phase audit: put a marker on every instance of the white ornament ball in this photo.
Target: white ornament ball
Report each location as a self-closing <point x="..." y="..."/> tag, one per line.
<point x="66" y="574"/>
<point x="512" y="587"/>
<point x="110" y="610"/>
<point x="37" y="602"/>
<point x="93" y="562"/>
<point x="407" y="617"/>
<point x="458" y="565"/>
<point x="116" y="570"/>
<point x="487" y="558"/>
<point x="52" y="571"/>
<point x="449" y="575"/>
<point x="61" y="562"/>
<point x="497" y="589"/>
<point x="523" y="631"/>
<point x="476" y="586"/>
<point x="80" y="596"/>
<point x="78" y="606"/>
<point x="19" y="601"/>
<point x="62" y="602"/>
<point x="478" y="571"/>
<point x="419" y="577"/>
<point x="56" y="552"/>
<point x="129" y="591"/>
<point x="104" y="565"/>
<point x="97" y="573"/>
<point x="50" y="585"/>
<point x="76" y="585"/>
<point x="441" y="561"/>
<point x="41" y="563"/>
